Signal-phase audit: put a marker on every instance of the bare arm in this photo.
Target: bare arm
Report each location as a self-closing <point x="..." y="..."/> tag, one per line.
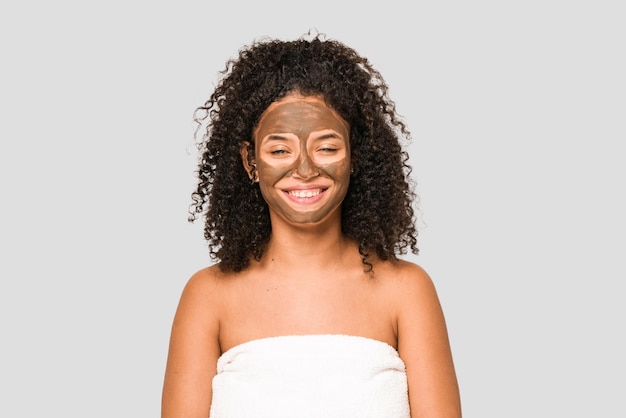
<point x="193" y="351"/>
<point x="425" y="349"/>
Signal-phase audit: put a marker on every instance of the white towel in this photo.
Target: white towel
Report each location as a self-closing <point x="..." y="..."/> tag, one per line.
<point x="311" y="376"/>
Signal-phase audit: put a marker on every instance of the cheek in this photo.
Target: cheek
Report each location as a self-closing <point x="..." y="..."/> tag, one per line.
<point x="338" y="171"/>
<point x="269" y="174"/>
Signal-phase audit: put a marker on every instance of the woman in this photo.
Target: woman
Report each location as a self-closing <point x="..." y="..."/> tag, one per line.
<point x="308" y="310"/>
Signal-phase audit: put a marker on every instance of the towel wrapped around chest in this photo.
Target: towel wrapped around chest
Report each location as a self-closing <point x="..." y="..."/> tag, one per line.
<point x="306" y="376"/>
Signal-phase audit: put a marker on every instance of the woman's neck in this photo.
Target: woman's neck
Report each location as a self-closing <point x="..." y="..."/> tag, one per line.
<point x="305" y="248"/>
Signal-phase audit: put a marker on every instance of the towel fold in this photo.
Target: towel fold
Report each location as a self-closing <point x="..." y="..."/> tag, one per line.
<point x="302" y="376"/>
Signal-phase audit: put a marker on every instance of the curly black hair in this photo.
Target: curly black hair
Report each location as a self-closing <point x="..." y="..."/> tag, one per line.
<point x="377" y="212"/>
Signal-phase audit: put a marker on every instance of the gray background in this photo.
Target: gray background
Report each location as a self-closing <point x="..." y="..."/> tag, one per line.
<point x="517" y="111"/>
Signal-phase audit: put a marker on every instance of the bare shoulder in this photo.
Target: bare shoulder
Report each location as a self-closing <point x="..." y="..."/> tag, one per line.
<point x="207" y="283"/>
<point x="194" y="346"/>
<point x="423" y="341"/>
<point x="415" y="296"/>
<point x="205" y="279"/>
<point x="409" y="281"/>
<point x="200" y="305"/>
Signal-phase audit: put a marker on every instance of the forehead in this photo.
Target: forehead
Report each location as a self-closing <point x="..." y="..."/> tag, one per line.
<point x="300" y="115"/>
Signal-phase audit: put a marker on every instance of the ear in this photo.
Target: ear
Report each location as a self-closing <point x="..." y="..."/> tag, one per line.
<point x="247" y="158"/>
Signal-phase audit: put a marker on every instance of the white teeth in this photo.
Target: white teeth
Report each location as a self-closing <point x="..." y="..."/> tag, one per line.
<point x="304" y="193"/>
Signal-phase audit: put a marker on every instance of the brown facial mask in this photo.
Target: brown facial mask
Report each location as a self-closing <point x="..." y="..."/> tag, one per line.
<point x="303" y="158"/>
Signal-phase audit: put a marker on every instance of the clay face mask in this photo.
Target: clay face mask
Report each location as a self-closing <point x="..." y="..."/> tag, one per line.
<point x="303" y="158"/>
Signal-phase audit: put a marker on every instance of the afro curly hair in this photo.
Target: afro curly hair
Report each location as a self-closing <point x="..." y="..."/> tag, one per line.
<point x="377" y="212"/>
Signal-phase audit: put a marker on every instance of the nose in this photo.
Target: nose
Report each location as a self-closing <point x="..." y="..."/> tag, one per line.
<point x="304" y="167"/>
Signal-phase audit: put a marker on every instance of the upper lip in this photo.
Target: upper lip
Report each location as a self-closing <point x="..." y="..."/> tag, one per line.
<point x="304" y="187"/>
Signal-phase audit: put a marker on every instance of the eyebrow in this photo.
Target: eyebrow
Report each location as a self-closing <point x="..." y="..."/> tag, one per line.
<point x="278" y="136"/>
<point x="329" y="135"/>
<point x="286" y="136"/>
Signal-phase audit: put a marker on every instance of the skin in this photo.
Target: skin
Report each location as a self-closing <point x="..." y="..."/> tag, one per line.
<point x="311" y="278"/>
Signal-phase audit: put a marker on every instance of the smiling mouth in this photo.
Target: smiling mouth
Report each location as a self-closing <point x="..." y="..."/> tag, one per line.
<point x="301" y="194"/>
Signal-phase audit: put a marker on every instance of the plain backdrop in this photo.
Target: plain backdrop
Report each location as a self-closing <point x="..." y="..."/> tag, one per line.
<point x="517" y="110"/>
